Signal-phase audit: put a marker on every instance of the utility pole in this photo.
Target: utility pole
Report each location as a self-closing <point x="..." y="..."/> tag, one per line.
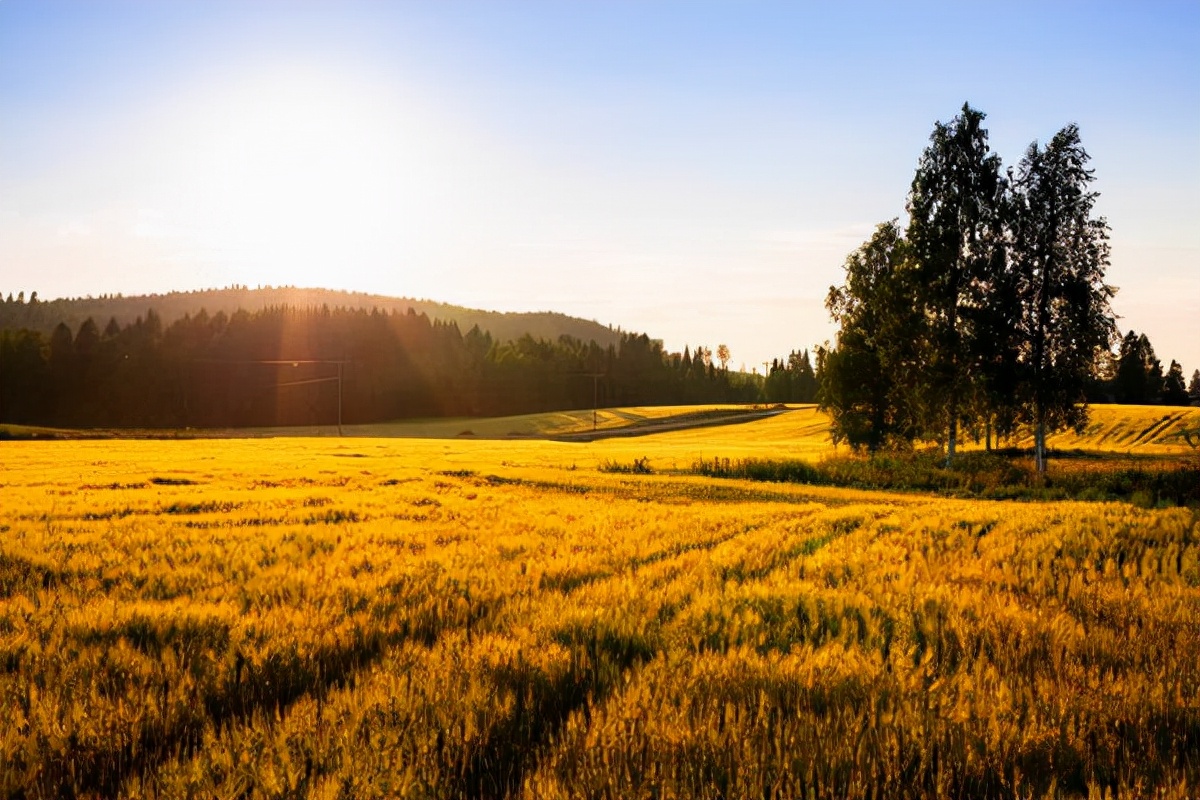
<point x="310" y="381"/>
<point x="295" y="363"/>
<point x="595" y="376"/>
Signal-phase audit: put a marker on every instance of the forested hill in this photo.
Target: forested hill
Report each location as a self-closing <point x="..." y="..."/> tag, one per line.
<point x="318" y="365"/>
<point x="45" y="315"/>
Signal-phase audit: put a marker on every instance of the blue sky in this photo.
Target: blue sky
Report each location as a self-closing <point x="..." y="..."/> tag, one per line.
<point x="698" y="171"/>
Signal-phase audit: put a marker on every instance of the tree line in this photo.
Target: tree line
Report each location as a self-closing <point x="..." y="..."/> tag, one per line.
<point x="43" y="315"/>
<point x="1135" y="375"/>
<point x="988" y="309"/>
<point x="297" y="366"/>
<point x="255" y="368"/>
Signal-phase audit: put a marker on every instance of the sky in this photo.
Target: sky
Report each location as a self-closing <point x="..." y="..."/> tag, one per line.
<point x="697" y="171"/>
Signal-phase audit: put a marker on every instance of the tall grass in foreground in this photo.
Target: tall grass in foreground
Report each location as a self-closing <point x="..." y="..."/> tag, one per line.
<point x="384" y="626"/>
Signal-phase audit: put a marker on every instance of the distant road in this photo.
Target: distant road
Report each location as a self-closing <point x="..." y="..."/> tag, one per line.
<point x="641" y="427"/>
<point x="703" y="419"/>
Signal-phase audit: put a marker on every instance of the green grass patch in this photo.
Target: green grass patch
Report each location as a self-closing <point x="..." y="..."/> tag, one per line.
<point x="998" y="476"/>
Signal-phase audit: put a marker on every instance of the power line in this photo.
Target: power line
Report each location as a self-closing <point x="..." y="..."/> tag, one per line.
<point x="292" y="362"/>
<point x="595" y="376"/>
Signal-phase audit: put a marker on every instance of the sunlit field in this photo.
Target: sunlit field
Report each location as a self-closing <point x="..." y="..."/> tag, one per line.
<point x="803" y="432"/>
<point x="1148" y="430"/>
<point x="503" y="618"/>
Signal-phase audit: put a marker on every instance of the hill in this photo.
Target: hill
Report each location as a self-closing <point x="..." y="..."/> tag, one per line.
<point x="44" y="315"/>
<point x="803" y="432"/>
<point x="677" y="435"/>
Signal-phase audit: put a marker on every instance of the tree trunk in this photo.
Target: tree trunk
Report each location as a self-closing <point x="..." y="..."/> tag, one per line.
<point x="987" y="434"/>
<point x="952" y="441"/>
<point x="1039" y="444"/>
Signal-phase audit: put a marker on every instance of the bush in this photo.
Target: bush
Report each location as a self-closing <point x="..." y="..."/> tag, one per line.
<point x="1006" y="475"/>
<point x="639" y="466"/>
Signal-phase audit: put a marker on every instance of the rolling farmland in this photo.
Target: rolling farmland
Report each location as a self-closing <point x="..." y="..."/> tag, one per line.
<point x="399" y="617"/>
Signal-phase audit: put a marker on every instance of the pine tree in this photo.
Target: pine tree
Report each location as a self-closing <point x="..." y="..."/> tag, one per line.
<point x="804" y="379"/>
<point x="1139" y="372"/>
<point x="1174" y="390"/>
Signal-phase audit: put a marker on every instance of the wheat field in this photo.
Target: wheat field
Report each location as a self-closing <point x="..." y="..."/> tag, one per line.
<point x="420" y="618"/>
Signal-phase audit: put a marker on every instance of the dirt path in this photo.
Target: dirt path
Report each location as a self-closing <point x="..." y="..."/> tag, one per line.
<point x="678" y="423"/>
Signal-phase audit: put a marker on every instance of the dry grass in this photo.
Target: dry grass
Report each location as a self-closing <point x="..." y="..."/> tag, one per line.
<point x="425" y="618"/>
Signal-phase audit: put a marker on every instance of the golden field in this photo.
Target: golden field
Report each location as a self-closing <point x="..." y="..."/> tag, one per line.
<point x="396" y="617"/>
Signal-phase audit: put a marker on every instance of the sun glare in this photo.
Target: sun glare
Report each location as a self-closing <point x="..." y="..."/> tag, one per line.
<point x="294" y="173"/>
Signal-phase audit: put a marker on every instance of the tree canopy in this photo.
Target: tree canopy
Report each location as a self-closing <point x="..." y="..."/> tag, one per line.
<point x="955" y="209"/>
<point x="862" y="386"/>
<point x="991" y="305"/>
<point x="1059" y="253"/>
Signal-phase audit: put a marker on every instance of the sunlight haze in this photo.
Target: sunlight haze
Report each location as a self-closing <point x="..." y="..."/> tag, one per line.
<point x="695" y="171"/>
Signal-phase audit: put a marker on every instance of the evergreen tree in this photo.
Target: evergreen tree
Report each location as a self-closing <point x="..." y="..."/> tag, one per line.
<point x="776" y="384"/>
<point x="23" y="377"/>
<point x="1194" y="386"/>
<point x="1174" y="391"/>
<point x="1139" y="372"/>
<point x="62" y="348"/>
<point x="62" y="378"/>
<point x="1154" y="376"/>
<point x="804" y="380"/>
<point x="87" y="340"/>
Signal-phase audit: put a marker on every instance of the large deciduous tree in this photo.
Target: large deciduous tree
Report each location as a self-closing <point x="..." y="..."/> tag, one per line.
<point x="1059" y="255"/>
<point x="879" y="330"/>
<point x="991" y="307"/>
<point x="955" y="209"/>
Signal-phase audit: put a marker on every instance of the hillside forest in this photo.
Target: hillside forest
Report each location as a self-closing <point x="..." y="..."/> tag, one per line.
<point x="986" y="311"/>
<point x="292" y="366"/>
<point x="207" y="370"/>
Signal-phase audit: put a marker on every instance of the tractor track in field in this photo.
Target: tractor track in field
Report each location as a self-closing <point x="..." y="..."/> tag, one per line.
<point x="676" y="423"/>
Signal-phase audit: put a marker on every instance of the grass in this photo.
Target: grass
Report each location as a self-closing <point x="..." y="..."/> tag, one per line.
<point x="548" y="424"/>
<point x="1146" y="482"/>
<point x="1149" y="430"/>
<point x="385" y="617"/>
<point x="801" y="433"/>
